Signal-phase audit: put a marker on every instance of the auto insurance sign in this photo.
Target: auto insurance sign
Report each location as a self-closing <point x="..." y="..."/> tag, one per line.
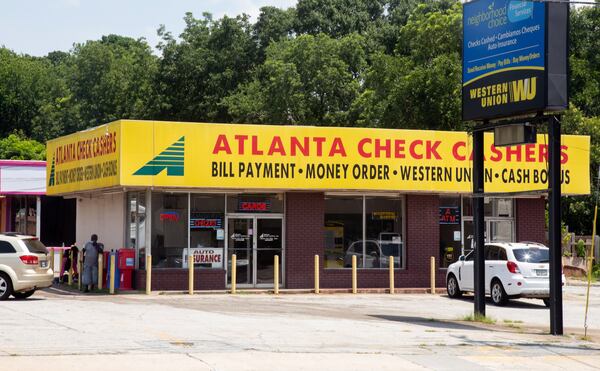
<point x="503" y="58"/>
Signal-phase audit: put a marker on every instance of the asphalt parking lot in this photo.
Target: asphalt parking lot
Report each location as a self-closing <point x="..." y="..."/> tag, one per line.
<point x="61" y="330"/>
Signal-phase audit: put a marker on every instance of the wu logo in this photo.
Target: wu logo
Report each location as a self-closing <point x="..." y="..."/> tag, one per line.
<point x="52" y="171"/>
<point x="170" y="159"/>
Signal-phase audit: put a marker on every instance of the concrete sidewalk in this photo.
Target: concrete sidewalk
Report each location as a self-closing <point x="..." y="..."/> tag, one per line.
<point x="291" y="332"/>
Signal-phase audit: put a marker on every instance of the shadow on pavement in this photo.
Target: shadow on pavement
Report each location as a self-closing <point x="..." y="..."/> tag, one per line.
<point x="513" y="303"/>
<point x="429" y="322"/>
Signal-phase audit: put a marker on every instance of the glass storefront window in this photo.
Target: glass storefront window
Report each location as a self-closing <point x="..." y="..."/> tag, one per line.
<point x="255" y="203"/>
<point x="496" y="207"/>
<point x="343" y="231"/>
<point x="169" y="229"/>
<point x="384" y="232"/>
<point x="382" y="218"/>
<point x="24" y="214"/>
<point x="136" y="225"/>
<point x="207" y="230"/>
<point x="450" y="232"/>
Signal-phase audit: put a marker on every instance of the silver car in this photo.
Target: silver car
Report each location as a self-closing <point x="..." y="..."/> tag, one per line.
<point x="24" y="266"/>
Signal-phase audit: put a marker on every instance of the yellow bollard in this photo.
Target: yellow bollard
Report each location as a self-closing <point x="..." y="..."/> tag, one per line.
<point x="276" y="275"/>
<point x="391" y="274"/>
<point x="233" y="272"/>
<point x="100" y="270"/>
<point x="79" y="272"/>
<point x="354" y="274"/>
<point x="112" y="274"/>
<point x="432" y="275"/>
<point x="52" y="259"/>
<point x="148" y="274"/>
<point x="70" y="279"/>
<point x="60" y="264"/>
<point x="191" y="274"/>
<point x="316" y="274"/>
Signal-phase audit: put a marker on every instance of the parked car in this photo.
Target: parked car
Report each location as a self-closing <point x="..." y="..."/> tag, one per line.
<point x="377" y="254"/>
<point x="24" y="266"/>
<point x="512" y="270"/>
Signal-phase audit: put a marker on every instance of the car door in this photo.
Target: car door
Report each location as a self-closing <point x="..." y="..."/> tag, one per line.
<point x="491" y="265"/>
<point x="465" y="275"/>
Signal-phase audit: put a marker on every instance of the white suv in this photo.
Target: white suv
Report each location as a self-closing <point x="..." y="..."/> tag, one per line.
<point x="24" y="266"/>
<point x="512" y="270"/>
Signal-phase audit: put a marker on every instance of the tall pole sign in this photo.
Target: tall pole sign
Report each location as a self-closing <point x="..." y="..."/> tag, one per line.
<point x="515" y="66"/>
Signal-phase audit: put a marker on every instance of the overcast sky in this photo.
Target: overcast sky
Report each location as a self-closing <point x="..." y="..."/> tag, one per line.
<point x="37" y="27"/>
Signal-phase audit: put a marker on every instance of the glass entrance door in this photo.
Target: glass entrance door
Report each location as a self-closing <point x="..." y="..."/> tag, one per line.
<point x="255" y="240"/>
<point x="501" y="230"/>
<point x="241" y="243"/>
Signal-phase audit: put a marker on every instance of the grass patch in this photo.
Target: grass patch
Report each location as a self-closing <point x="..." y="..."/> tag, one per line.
<point x="479" y="318"/>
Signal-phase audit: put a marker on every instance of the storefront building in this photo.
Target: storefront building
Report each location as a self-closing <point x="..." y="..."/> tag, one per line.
<point x="212" y="190"/>
<point x="22" y="183"/>
<point x="25" y="208"/>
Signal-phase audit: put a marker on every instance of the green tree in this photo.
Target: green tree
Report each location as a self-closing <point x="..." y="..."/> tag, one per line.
<point x="25" y="84"/>
<point x="111" y="79"/>
<point x="210" y="61"/>
<point x="337" y="18"/>
<point x="273" y="24"/>
<point x="584" y="59"/>
<point x="17" y="147"/>
<point x="306" y="80"/>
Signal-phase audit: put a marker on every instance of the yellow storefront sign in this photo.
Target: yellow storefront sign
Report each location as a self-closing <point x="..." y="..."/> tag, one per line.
<point x="85" y="160"/>
<point x="234" y="156"/>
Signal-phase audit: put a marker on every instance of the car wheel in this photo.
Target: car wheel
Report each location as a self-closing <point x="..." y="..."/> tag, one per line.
<point x="498" y="294"/>
<point x="452" y="287"/>
<point x="5" y="286"/>
<point x="547" y="302"/>
<point x="23" y="295"/>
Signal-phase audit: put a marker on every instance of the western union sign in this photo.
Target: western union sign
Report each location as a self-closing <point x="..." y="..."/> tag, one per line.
<point x="130" y="153"/>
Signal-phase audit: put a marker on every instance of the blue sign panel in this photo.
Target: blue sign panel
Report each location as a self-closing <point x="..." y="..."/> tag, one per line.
<point x="503" y="58"/>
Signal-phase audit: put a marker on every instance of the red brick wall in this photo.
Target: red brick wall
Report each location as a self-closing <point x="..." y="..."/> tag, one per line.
<point x="177" y="279"/>
<point x="530" y="220"/>
<point x="305" y="238"/>
<point x="304" y="226"/>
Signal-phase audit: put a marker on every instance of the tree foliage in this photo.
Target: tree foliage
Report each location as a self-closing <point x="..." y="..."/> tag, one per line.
<point x="372" y="63"/>
<point x="17" y="147"/>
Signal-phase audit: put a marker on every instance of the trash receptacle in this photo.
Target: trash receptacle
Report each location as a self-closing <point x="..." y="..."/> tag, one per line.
<point x="126" y="266"/>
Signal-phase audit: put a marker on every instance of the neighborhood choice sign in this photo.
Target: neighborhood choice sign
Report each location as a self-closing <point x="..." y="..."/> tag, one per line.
<point x="503" y="58"/>
<point x="221" y="156"/>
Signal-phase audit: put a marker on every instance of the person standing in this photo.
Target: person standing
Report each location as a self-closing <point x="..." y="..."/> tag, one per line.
<point x="90" y="263"/>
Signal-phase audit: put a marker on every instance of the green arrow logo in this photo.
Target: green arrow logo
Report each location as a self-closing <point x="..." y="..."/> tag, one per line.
<point x="171" y="159"/>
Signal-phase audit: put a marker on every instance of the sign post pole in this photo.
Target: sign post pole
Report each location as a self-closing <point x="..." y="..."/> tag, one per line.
<point x="556" y="312"/>
<point x="478" y="221"/>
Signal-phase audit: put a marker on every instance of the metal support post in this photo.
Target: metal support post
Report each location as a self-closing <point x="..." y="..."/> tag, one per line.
<point x="148" y="274"/>
<point x="316" y="274"/>
<point x="191" y="274"/>
<point x="233" y="272"/>
<point x="354" y="290"/>
<point x="478" y="221"/>
<point x="554" y="181"/>
<point x="276" y="275"/>
<point x="112" y="274"/>
<point x="391" y="260"/>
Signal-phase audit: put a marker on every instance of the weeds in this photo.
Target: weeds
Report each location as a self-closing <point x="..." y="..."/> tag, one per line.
<point x="479" y="318"/>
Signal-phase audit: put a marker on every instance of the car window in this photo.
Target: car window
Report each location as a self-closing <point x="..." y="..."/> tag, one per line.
<point x="6" y="247"/>
<point x="532" y="255"/>
<point x="372" y="248"/>
<point x="491" y="253"/>
<point x="35" y="246"/>
<point x="502" y="254"/>
<point x="470" y="256"/>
